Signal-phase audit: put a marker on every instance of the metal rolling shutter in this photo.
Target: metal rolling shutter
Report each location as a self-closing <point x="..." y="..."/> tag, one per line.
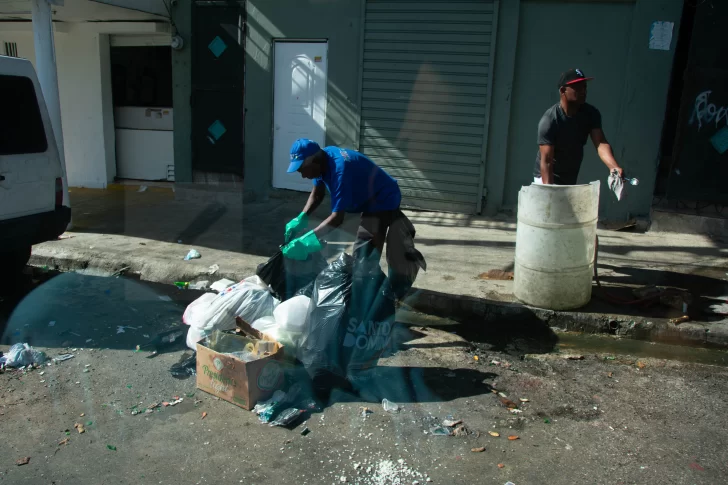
<point x="425" y="90"/>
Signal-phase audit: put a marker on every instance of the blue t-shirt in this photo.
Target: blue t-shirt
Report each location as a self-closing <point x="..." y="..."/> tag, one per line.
<point x="357" y="184"/>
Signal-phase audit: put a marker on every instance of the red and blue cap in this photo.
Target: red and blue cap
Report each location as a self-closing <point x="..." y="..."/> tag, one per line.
<point x="302" y="148"/>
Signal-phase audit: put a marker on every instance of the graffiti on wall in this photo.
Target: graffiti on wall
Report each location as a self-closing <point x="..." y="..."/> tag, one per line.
<point x="705" y="112"/>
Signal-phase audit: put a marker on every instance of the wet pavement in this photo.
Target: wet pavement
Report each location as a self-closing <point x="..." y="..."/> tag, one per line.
<point x="617" y="411"/>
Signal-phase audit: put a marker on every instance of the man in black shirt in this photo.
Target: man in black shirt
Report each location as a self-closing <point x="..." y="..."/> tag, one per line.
<point x="562" y="134"/>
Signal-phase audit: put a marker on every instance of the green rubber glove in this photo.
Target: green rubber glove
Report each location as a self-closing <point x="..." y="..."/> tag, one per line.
<point x="300" y="248"/>
<point x="296" y="225"/>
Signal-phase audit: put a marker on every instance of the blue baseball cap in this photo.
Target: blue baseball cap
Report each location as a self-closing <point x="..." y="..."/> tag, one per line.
<point x="301" y="148"/>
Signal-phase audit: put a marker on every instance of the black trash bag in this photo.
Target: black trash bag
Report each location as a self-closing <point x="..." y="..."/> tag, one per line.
<point x="403" y="259"/>
<point x="349" y="322"/>
<point x="286" y="276"/>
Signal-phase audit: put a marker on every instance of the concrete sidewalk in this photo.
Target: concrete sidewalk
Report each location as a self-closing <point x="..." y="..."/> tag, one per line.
<point x="150" y="232"/>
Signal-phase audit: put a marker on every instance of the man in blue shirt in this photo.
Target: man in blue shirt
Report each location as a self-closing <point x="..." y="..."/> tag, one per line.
<point x="357" y="185"/>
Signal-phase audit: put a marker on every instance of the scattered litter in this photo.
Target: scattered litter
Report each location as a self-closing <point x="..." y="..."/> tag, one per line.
<point x="64" y="441"/>
<point x="641" y="365"/>
<point x="460" y="431"/>
<point x="478" y="450"/>
<point x="547" y="420"/>
<point x="365" y="411"/>
<point x="450" y="423"/>
<point x="494" y="434"/>
<point x="21" y="355"/>
<point x="213" y="269"/>
<point x="82" y="414"/>
<point x="440" y="431"/>
<point x="79" y="427"/>
<point x="610" y="374"/>
<point x="88" y="341"/>
<point x="513" y="437"/>
<point x="305" y="431"/>
<point x="515" y="411"/>
<point x="62" y="357"/>
<point x="496" y="274"/>
<point x="193" y="254"/>
<point x="182" y="285"/>
<point x="510" y="483"/>
<point x="287" y="416"/>
<point x="389" y="406"/>
<point x="23" y="461"/>
<point x="475" y="357"/>
<point x="572" y="357"/>
<point x="523" y="399"/>
<point x="501" y="465"/>
<point x="204" y="414"/>
<point x="187" y="366"/>
<point x="142" y="188"/>
<point x="123" y="328"/>
<point x="51" y="324"/>
<point x="679" y="320"/>
<point x="222" y="285"/>
<point x="508" y="403"/>
<point x="111" y="447"/>
<point x="164" y="298"/>
<point x="65" y="236"/>
<point x="199" y="285"/>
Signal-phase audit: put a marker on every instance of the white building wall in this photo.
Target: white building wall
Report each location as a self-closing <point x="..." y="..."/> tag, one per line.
<point x="87" y="114"/>
<point x="89" y="151"/>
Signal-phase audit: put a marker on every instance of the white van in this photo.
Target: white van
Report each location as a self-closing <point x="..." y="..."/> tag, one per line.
<point x="31" y="188"/>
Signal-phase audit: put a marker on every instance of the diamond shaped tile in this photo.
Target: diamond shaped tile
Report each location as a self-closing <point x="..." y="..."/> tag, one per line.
<point x="217" y="129"/>
<point x="217" y="46"/>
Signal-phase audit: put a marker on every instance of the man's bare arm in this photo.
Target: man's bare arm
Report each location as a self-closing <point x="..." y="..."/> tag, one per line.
<point x="314" y="199"/>
<point x="547" y="164"/>
<point x="605" y="150"/>
<point x="329" y="224"/>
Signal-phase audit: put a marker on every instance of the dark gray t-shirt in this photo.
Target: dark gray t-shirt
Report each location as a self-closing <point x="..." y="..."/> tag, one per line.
<point x="568" y="135"/>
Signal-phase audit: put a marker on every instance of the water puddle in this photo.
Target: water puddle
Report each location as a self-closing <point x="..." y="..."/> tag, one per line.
<point x="577" y="343"/>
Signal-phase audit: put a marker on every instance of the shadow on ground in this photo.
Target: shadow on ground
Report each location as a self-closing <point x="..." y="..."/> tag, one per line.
<point x="83" y="311"/>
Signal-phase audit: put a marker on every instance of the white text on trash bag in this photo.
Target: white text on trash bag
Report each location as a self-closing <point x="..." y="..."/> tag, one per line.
<point x="369" y="335"/>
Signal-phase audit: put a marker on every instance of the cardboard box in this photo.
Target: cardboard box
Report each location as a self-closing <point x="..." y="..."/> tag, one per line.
<point x="239" y="382"/>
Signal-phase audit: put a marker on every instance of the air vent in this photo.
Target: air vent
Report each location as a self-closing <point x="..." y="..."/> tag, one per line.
<point x="11" y="49"/>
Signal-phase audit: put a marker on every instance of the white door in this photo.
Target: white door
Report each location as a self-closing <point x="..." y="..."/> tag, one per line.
<point x="299" y="101"/>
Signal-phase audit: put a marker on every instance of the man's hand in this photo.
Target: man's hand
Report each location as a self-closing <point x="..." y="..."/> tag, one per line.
<point x="300" y="248"/>
<point x="295" y="226"/>
<point x="619" y="171"/>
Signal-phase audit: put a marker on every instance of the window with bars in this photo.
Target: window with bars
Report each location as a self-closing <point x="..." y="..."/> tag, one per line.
<point x="11" y="49"/>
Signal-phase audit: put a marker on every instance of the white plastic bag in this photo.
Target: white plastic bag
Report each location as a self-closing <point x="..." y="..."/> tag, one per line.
<point x="248" y="300"/>
<point x="267" y="325"/>
<point x="20" y="355"/>
<point x="291" y="314"/>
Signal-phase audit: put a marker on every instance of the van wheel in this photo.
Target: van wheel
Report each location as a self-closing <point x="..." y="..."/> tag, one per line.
<point x="14" y="261"/>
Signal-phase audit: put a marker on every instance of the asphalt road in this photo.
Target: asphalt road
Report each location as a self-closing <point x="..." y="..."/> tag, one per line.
<point x="610" y="418"/>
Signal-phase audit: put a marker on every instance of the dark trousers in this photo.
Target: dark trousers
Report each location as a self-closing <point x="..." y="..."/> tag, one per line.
<point x="404" y="261"/>
<point x="372" y="234"/>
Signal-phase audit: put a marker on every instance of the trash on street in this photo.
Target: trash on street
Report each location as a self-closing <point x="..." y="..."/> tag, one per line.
<point x="199" y="285"/>
<point x="287" y="416"/>
<point x="479" y="449"/>
<point x="221" y="285"/>
<point x="494" y="434"/>
<point x="238" y="381"/>
<point x="389" y="406"/>
<point x="193" y="254"/>
<point x="23" y="461"/>
<point x="20" y="355"/>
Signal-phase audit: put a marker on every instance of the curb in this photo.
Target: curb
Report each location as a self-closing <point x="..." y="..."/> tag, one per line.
<point x="493" y="316"/>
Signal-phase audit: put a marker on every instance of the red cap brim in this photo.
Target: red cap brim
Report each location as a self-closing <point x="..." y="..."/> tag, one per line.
<point x="579" y="80"/>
